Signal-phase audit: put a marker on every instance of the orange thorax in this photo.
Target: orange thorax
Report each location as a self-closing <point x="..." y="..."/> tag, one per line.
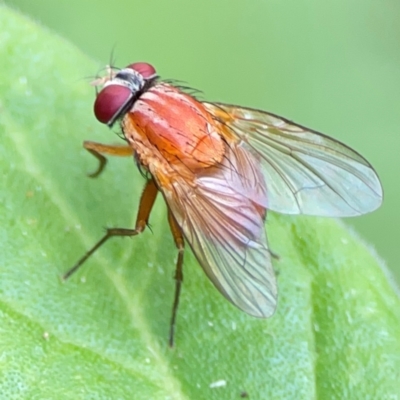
<point x="177" y="126"/>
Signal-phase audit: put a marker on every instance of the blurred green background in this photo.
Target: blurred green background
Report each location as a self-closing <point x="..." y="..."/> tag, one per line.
<point x="332" y="65"/>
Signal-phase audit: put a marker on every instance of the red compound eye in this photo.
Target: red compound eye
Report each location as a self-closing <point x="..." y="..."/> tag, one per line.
<point x="144" y="69"/>
<point x="109" y="102"/>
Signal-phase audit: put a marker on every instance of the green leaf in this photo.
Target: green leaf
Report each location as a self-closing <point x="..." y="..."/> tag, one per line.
<point x="103" y="334"/>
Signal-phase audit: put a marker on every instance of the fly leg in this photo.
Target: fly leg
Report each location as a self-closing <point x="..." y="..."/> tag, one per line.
<point x="180" y="244"/>
<point x="146" y="204"/>
<point x="98" y="149"/>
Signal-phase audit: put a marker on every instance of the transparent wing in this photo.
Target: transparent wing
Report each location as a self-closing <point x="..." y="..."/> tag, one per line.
<point x="222" y="218"/>
<point x="305" y="171"/>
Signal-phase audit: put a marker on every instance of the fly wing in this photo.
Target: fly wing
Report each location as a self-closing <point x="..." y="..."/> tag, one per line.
<point x="222" y="217"/>
<point x="306" y="172"/>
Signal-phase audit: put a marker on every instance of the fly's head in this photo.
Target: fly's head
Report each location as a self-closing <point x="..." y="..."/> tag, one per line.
<point x="120" y="91"/>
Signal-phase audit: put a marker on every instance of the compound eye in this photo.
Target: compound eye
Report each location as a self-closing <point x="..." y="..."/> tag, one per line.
<point x="144" y="69"/>
<point x="109" y="102"/>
